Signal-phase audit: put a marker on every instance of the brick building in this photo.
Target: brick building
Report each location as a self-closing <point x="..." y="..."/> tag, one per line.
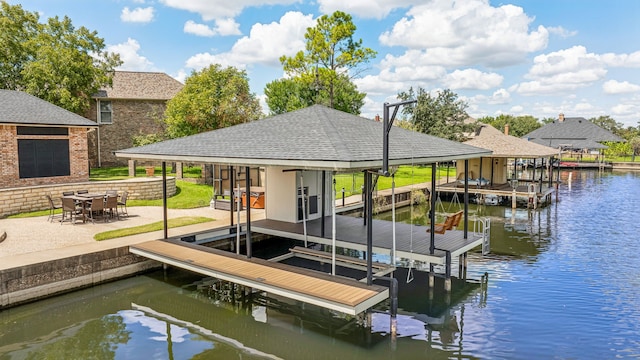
<point x="41" y="143"/>
<point x="134" y="105"/>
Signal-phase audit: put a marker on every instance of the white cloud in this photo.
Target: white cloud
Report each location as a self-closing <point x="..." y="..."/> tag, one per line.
<point x="377" y="9"/>
<point x="264" y="45"/>
<point x="131" y="60"/>
<point x="472" y="79"/>
<point x="223" y="27"/>
<point x="191" y="27"/>
<point x="464" y="33"/>
<point x="517" y="109"/>
<point x="562" y="70"/>
<point x="622" y="60"/>
<point x="227" y="27"/>
<point x="625" y="109"/>
<point x="500" y="96"/>
<point x="141" y="15"/>
<point x="618" y="87"/>
<point x="560" y="31"/>
<point x="211" y="10"/>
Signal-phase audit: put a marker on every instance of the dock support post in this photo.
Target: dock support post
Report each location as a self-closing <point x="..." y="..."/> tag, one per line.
<point x="432" y="279"/>
<point x="514" y="202"/>
<point x="447" y="278"/>
<point x="394" y="310"/>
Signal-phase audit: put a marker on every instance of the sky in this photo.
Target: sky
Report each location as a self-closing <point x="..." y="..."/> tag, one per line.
<point x="519" y="57"/>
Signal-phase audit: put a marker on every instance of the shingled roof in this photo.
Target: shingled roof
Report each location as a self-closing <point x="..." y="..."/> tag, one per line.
<point x="507" y="146"/>
<point x="141" y="86"/>
<point x="316" y="137"/>
<point x="575" y="132"/>
<point x="20" y="108"/>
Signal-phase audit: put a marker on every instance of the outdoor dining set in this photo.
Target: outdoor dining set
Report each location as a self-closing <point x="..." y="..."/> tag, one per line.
<point x="83" y="205"/>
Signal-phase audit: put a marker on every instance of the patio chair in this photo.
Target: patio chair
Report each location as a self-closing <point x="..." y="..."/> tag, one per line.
<point x="94" y="208"/>
<point x="69" y="208"/>
<point x="122" y="204"/>
<point x="112" y="192"/>
<point x="82" y="192"/>
<point x="111" y="206"/>
<point x="52" y="208"/>
<point x="67" y="193"/>
<point x="441" y="228"/>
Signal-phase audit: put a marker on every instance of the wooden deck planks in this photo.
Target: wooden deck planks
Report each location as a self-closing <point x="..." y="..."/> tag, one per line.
<point x="291" y="280"/>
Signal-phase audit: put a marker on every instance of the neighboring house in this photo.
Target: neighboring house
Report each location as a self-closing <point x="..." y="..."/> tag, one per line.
<point x="575" y="133"/>
<point x="134" y="105"/>
<point x="41" y="142"/>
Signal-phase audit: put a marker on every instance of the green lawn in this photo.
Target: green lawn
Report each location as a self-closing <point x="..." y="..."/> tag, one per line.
<point x="155" y="226"/>
<point x="405" y="175"/>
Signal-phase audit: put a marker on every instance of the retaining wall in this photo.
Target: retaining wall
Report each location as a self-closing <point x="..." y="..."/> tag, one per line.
<point x="36" y="281"/>
<point x="33" y="198"/>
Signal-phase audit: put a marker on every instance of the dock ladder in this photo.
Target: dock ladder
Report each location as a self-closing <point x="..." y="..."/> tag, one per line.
<point x="482" y="227"/>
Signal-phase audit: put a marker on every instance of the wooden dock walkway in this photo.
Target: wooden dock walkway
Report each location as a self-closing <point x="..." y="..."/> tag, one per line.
<point x="412" y="241"/>
<point x="341" y="294"/>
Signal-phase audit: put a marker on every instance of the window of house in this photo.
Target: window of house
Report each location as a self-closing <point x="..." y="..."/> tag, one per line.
<point x="105" y="113"/>
<point x="43" y="158"/>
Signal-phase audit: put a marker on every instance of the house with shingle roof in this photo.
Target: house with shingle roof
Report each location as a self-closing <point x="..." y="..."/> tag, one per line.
<point x="41" y="142"/>
<point x="133" y="105"/>
<point x="575" y="133"/>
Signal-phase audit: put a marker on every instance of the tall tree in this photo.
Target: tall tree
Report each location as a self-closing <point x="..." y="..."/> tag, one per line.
<point x="442" y="115"/>
<point x="608" y="123"/>
<point x="53" y="61"/>
<point x="518" y="125"/>
<point x="331" y="59"/>
<point x="212" y="98"/>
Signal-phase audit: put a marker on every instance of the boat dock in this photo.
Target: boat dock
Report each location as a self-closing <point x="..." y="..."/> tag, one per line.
<point x="337" y="293"/>
<point x="525" y="191"/>
<point x="413" y="241"/>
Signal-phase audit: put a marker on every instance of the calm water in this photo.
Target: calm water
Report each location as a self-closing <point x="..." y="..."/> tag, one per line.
<point x="564" y="282"/>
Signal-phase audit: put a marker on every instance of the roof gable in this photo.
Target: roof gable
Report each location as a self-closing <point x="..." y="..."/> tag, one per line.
<point x="20" y="108"/>
<point x="317" y="134"/>
<point x="571" y="130"/>
<point x="141" y="86"/>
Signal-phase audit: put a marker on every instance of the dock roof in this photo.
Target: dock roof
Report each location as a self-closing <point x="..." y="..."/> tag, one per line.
<point x="507" y="146"/>
<point x="316" y="137"/>
<point x="20" y="108"/>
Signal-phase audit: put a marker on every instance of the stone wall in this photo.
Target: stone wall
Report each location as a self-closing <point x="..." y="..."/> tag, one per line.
<point x="130" y="118"/>
<point x="78" y="158"/>
<point x="36" y="281"/>
<point x="33" y="198"/>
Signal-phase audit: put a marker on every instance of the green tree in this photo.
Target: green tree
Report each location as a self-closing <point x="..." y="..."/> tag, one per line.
<point x="608" y="123"/>
<point x="53" y="61"/>
<point x="212" y="98"/>
<point x="518" y="125"/>
<point x="442" y="115"/>
<point x="635" y="147"/>
<point x="332" y="58"/>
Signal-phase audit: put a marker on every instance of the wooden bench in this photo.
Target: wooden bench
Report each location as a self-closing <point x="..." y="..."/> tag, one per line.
<point x="343" y="259"/>
<point x="450" y="222"/>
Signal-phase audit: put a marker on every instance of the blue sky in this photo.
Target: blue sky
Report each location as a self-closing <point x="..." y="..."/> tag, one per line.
<point x="519" y="57"/>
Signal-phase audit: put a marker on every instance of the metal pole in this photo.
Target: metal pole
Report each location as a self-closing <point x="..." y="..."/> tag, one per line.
<point x="333" y="228"/>
<point x="164" y="199"/>
<point x="367" y="188"/>
<point x="393" y="219"/>
<point x="248" y="217"/>
<point x="304" y="208"/>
